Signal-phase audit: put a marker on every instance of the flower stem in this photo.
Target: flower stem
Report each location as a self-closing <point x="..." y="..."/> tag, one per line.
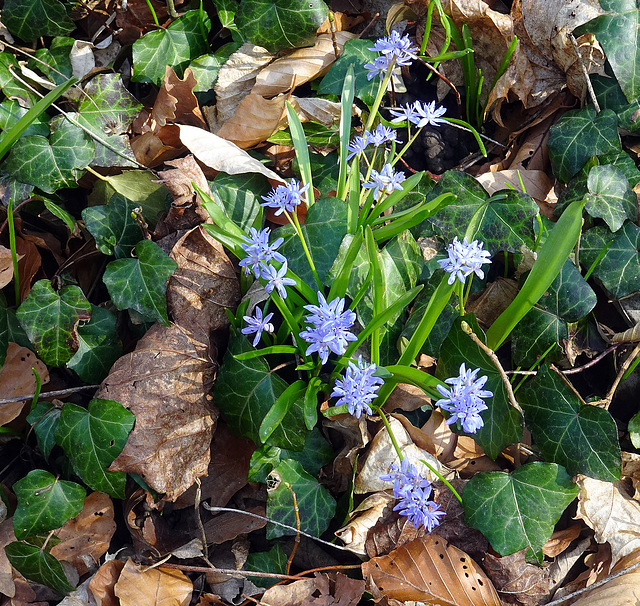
<point x="296" y="226"/>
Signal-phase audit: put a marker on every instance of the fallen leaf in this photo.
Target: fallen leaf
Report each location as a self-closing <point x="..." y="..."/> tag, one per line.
<point x="158" y="586"/>
<point x="24" y="594"/>
<point x="631" y="470"/>
<point x="85" y="538"/>
<point x="29" y="263"/>
<point x="81" y="58"/>
<point x="314" y="109"/>
<point x="104" y="581"/>
<point x="229" y="525"/>
<point x="536" y="182"/>
<point x="7" y="584"/>
<point x="406" y="397"/>
<point x="428" y="569"/>
<point x="163" y="383"/>
<point x="321" y="590"/>
<point x="150" y="150"/>
<point x="493" y="300"/>
<point x="560" y="540"/>
<point x="440" y="440"/>
<point x="6" y="266"/>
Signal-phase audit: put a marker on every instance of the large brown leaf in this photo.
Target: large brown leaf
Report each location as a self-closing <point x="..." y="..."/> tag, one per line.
<point x="430" y="570"/>
<point x="159" y="586"/>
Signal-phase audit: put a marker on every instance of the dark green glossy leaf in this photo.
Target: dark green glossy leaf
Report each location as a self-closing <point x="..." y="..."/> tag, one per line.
<point x="582" y="438"/>
<point x="31" y="19"/>
<point x="315" y="504"/>
<point x="11" y="88"/>
<point x="98" y="346"/>
<point x="356" y="53"/>
<point x="240" y="196"/>
<point x="38" y="566"/>
<point x="634" y="430"/>
<point x="141" y="283"/>
<point x="610" y="96"/>
<point x="92" y="439"/>
<point x="112" y="226"/>
<point x="519" y="510"/>
<point x="274" y="561"/>
<point x="226" y="10"/>
<point x="51" y="320"/>
<point x="245" y="390"/>
<point x="609" y="196"/>
<point x="279" y="24"/>
<point x="621" y="160"/>
<point x="184" y="40"/>
<point x="619" y="268"/>
<point x="55" y="61"/>
<point x="11" y="111"/>
<point x="578" y="135"/>
<point x="502" y="422"/>
<point x="44" y="420"/>
<point x="44" y="503"/>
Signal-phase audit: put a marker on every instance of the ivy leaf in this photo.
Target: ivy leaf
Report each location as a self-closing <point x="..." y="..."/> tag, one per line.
<point x="582" y="438"/>
<point x="502" y="422"/>
<point x="11" y="88"/>
<point x="356" y="52"/>
<point x="272" y="561"/>
<point x="38" y="566"/>
<point x="619" y="267"/>
<point x="98" y="346"/>
<point x="112" y="226"/>
<point x="51" y="320"/>
<point x="240" y="196"/>
<point x="280" y="24"/>
<point x="535" y="334"/>
<point x="11" y="111"/>
<point x="92" y="439"/>
<point x="315" y="505"/>
<point x="31" y="19"/>
<point x="578" y="135"/>
<point x="245" y="391"/>
<point x="610" y="96"/>
<point x="609" y="196"/>
<point x="518" y="510"/>
<point x="177" y="45"/>
<point x="51" y="164"/>
<point x="55" y="62"/>
<point x="44" y="418"/>
<point x="141" y="283"/>
<point x="44" y="503"/>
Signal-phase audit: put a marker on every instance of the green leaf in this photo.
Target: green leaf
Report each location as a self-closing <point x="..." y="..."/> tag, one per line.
<point x="107" y="109"/>
<point x="356" y="53"/>
<point x="112" y="226"/>
<point x="31" y="19"/>
<point x="98" y="346"/>
<point x="610" y="96"/>
<point x="44" y="419"/>
<point x="141" y="283"/>
<point x="38" y="566"/>
<point x="502" y="422"/>
<point x="610" y="197"/>
<point x="11" y="111"/>
<point x="11" y="88"/>
<point x="207" y="67"/>
<point x="582" y="438"/>
<point x="279" y="24"/>
<point x="619" y="268"/>
<point x="44" y="503"/>
<point x="534" y="334"/>
<point x="177" y="45"/>
<point x="240" y="196"/>
<point x="51" y="320"/>
<point x="245" y="391"/>
<point x="518" y="510"/>
<point x="634" y="430"/>
<point x="502" y="222"/>
<point x="315" y="505"/>
<point x="55" y="61"/>
<point x="324" y="227"/>
<point x="92" y="439"/>
<point x="578" y="135"/>
<point x="54" y="163"/>
<point x="273" y="561"/>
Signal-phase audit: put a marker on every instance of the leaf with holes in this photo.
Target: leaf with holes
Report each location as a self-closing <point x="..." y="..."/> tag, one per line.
<point x="54" y="163"/>
<point x="44" y="503"/>
<point x="51" y="320"/>
<point x="92" y="439"/>
<point x="315" y="505"/>
<point x="619" y="268"/>
<point x="31" y="19"/>
<point x="578" y="135"/>
<point x="519" y="510"/>
<point x="44" y="418"/>
<point x="279" y="24"/>
<point x="141" y="283"/>
<point x="582" y="438"/>
<point x="38" y="566"/>
<point x="609" y="196"/>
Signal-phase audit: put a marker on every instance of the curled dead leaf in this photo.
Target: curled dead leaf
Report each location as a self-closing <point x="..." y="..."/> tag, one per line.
<point x="104" y="581"/>
<point x="137" y="586"/>
<point x="6" y="266"/>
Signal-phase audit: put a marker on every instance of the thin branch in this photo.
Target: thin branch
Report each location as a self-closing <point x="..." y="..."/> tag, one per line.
<point x="590" y="363"/>
<point x="297" y="539"/>
<point x="567" y="383"/>
<point x="49" y="394"/>
<point x="255" y="573"/>
<point x="630" y="359"/>
<point x="592" y="93"/>
<point x="203" y="534"/>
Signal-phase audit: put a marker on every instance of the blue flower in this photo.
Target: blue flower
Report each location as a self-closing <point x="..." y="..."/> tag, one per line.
<point x="419" y="114"/>
<point x="405" y="478"/>
<point x="381" y="134"/>
<point x="285" y="197"/>
<point x="378" y="68"/>
<point x="398" y="46"/>
<point x="276" y="278"/>
<point x="357" y="145"/>
<point x="464" y="399"/>
<point x="464" y="259"/>
<point x="358" y="388"/>
<point x="259" y="251"/>
<point x="257" y="324"/>
<point x="384" y="181"/>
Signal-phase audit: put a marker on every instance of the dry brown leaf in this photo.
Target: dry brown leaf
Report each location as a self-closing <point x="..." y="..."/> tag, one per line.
<point x="150" y="150"/>
<point x="24" y="595"/>
<point x="406" y="397"/>
<point x="302" y="65"/>
<point x="17" y="379"/>
<point x="157" y="586"/>
<point x="104" y="581"/>
<point x="220" y="154"/>
<point x="6" y="266"/>
<point x="631" y="470"/>
<point x="430" y="570"/>
<point x="391" y="531"/>
<point x="28" y="264"/>
<point x="355" y="435"/>
<point x="469" y="458"/>
<point x="613" y="515"/>
<point x="7" y="584"/>
<point x="163" y="382"/>
<point x="537" y="183"/>
<point x="321" y="590"/>
<point x="493" y="300"/>
<point x="85" y="538"/>
<point x="228" y="525"/>
<point x="440" y="440"/>
<point x="314" y="109"/>
<point x="560" y="540"/>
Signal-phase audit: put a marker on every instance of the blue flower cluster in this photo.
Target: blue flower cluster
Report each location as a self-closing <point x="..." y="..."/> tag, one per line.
<point x="358" y="388"/>
<point x="257" y="324"/>
<point x="464" y="399"/>
<point x="285" y="197"/>
<point x="329" y="330"/>
<point x="464" y="259"/>
<point x="384" y="181"/>
<point x="380" y="134"/>
<point x="420" y="114"/>
<point x="413" y="492"/>
<point x="391" y="47"/>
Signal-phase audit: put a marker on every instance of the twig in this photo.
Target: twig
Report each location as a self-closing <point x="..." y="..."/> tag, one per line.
<point x="503" y="375"/>
<point x="369" y="25"/>
<point x="567" y="383"/>
<point x="606" y="402"/>
<point x="592" y="93"/>
<point x="526" y="373"/>
<point x="442" y="77"/>
<point x="590" y="363"/>
<point x="296" y="543"/>
<point x="49" y="394"/>
<point x="203" y="534"/>
<point x="233" y="572"/>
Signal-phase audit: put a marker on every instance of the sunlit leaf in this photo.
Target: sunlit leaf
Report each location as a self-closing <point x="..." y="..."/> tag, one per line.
<point x="241" y="196"/>
<point x="609" y="196"/>
<point x="55" y="61"/>
<point x="31" y="19"/>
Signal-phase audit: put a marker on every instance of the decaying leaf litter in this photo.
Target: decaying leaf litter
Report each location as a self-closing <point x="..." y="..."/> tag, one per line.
<point x="164" y="458"/>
